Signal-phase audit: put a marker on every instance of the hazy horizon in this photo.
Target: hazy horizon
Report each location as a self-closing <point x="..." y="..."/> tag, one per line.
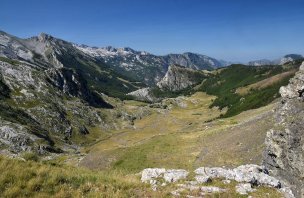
<point x="232" y="31"/>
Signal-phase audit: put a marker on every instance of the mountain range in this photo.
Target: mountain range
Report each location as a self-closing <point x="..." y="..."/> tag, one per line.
<point x="281" y="61"/>
<point x="137" y="66"/>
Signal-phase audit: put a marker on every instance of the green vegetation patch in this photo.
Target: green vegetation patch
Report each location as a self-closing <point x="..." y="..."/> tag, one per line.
<point x="225" y="82"/>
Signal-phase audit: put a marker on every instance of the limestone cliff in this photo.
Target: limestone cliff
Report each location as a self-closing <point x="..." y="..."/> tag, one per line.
<point x="284" y="154"/>
<point x="178" y="78"/>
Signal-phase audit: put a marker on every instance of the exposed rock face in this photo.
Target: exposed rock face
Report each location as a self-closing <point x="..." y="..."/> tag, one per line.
<point x="248" y="176"/>
<point x="290" y="57"/>
<point x="35" y="103"/>
<point x="246" y="173"/>
<point x="73" y="84"/>
<point x="178" y="78"/>
<point x="193" y="61"/>
<point x="284" y="154"/>
<point x="147" y="67"/>
<point x="143" y="94"/>
<point x="244" y="189"/>
<point x="47" y="52"/>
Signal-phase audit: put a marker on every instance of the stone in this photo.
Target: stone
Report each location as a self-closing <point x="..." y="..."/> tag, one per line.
<point x="202" y="179"/>
<point x="249" y="173"/>
<point x="226" y="181"/>
<point x="143" y="94"/>
<point x="151" y="173"/>
<point x="244" y="189"/>
<point x="174" y="175"/>
<point x="211" y="189"/>
<point x="287" y="192"/>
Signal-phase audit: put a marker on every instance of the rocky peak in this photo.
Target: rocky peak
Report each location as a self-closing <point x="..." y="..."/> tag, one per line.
<point x="178" y="78"/>
<point x="284" y="154"/>
<point x="290" y="57"/>
<point x="43" y="37"/>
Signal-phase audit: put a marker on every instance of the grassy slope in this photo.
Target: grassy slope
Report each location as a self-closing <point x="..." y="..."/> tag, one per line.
<point x="240" y="87"/>
<point x="20" y="178"/>
<point x="44" y="179"/>
<point x="225" y="83"/>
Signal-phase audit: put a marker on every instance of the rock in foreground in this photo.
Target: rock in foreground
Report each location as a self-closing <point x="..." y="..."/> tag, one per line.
<point x="247" y="176"/>
<point x="284" y="154"/>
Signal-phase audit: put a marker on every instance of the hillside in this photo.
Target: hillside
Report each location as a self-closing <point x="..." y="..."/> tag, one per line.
<point x="146" y="67"/>
<point x="237" y="87"/>
<point x="45" y="52"/>
<point x="259" y="83"/>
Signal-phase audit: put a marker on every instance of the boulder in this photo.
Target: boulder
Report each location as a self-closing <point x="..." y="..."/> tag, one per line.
<point x="244" y="189"/>
<point x="174" y="175"/>
<point x="151" y="173"/>
<point x="202" y="179"/>
<point x="211" y="189"/>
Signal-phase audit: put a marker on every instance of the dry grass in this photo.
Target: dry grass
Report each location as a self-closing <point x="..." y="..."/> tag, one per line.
<point x="46" y="179"/>
<point x="21" y="178"/>
<point x="182" y="138"/>
<point x="264" y="83"/>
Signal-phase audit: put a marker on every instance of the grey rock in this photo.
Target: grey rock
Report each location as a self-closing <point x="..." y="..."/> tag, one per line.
<point x="202" y="179"/>
<point x="174" y="175"/>
<point x="244" y="189"/>
<point x="287" y="192"/>
<point x="151" y="173"/>
<point x="211" y="189"/>
<point x="226" y="181"/>
<point x="284" y="153"/>
<point x="249" y="173"/>
<point x="144" y="94"/>
<point x="178" y="78"/>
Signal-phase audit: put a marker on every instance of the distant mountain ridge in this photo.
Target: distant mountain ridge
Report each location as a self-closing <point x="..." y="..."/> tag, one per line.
<point x="281" y="61"/>
<point x="145" y="66"/>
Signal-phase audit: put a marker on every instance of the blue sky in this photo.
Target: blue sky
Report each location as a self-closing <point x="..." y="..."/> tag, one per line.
<point x="235" y="30"/>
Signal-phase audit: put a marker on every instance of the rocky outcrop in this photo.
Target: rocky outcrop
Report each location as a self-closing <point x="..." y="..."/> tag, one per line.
<point x="248" y="177"/>
<point x="38" y="106"/>
<point x="290" y="57"/>
<point x="144" y="94"/>
<point x="284" y="154"/>
<point x="73" y="84"/>
<point x="178" y="78"/>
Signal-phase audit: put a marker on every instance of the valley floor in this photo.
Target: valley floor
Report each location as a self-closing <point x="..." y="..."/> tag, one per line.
<point x="184" y="135"/>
